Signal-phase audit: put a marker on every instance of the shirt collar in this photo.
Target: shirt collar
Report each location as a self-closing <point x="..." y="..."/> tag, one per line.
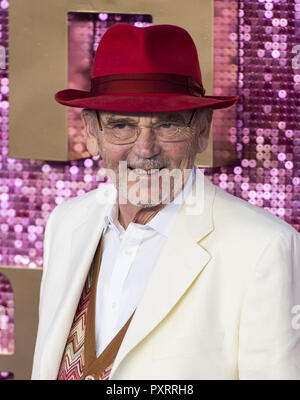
<point x="112" y="213"/>
<point x="161" y="222"/>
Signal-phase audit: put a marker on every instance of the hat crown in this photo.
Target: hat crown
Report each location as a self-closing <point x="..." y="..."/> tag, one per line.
<point x="152" y="69"/>
<point x="126" y="49"/>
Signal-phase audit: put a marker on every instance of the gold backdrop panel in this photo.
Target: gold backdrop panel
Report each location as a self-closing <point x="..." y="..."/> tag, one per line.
<point x="26" y="287"/>
<point x="38" y="65"/>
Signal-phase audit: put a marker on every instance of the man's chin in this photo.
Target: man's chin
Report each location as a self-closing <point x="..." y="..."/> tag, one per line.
<point x="147" y="193"/>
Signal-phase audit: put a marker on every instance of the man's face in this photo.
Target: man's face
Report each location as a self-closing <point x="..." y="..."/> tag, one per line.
<point x="169" y="158"/>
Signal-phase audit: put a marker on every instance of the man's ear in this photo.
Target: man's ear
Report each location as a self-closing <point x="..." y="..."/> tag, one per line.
<point x="88" y="118"/>
<point x="204" y="124"/>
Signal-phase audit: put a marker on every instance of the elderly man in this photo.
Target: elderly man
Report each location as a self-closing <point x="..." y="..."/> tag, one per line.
<point x="160" y="274"/>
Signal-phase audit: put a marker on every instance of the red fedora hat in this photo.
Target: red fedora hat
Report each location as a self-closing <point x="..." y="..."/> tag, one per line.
<point x="152" y="69"/>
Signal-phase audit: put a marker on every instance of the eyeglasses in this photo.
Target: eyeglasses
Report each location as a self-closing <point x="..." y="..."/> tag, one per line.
<point x="124" y="132"/>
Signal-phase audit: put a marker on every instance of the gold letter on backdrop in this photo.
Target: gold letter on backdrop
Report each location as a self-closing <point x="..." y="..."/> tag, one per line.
<point x="38" y="57"/>
<point x="26" y="286"/>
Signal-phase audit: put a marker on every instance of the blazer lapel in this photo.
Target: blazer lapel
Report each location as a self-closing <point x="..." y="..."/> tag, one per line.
<point x="84" y="238"/>
<point x="181" y="260"/>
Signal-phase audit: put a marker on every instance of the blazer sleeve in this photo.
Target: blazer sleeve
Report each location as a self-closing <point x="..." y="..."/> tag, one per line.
<point x="47" y="239"/>
<point x="46" y="246"/>
<point x="269" y="330"/>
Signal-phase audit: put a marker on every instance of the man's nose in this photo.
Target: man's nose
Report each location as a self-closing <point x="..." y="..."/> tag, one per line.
<point x="146" y="145"/>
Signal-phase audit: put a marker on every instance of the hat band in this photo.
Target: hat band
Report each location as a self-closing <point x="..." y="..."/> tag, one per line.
<point x="146" y="83"/>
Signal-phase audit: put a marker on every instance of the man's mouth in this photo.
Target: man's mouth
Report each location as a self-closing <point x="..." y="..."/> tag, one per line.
<point x="149" y="171"/>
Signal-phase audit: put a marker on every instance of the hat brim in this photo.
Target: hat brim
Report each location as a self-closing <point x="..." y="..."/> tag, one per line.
<point x="149" y="102"/>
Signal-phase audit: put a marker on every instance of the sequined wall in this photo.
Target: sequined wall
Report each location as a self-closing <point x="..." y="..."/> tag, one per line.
<point x="254" y="42"/>
<point x="268" y="111"/>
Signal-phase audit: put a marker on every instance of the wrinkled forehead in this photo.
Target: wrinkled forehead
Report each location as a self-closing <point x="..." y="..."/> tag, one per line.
<point x="181" y="116"/>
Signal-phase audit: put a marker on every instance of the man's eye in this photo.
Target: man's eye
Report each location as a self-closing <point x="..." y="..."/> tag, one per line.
<point x="166" y="125"/>
<point x="121" y="126"/>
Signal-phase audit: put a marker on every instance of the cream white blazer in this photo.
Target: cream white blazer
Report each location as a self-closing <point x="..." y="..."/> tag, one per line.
<point x="219" y="303"/>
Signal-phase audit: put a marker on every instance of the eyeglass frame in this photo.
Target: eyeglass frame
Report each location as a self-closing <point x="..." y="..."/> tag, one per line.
<point x="138" y="128"/>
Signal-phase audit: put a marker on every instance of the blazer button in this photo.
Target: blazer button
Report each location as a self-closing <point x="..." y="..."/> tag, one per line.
<point x="89" y="378"/>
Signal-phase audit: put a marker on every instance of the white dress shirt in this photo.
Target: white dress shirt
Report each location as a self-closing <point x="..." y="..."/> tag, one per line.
<point x="128" y="259"/>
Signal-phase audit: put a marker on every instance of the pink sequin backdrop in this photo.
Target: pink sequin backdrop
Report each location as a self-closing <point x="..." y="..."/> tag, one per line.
<point x="254" y="44"/>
